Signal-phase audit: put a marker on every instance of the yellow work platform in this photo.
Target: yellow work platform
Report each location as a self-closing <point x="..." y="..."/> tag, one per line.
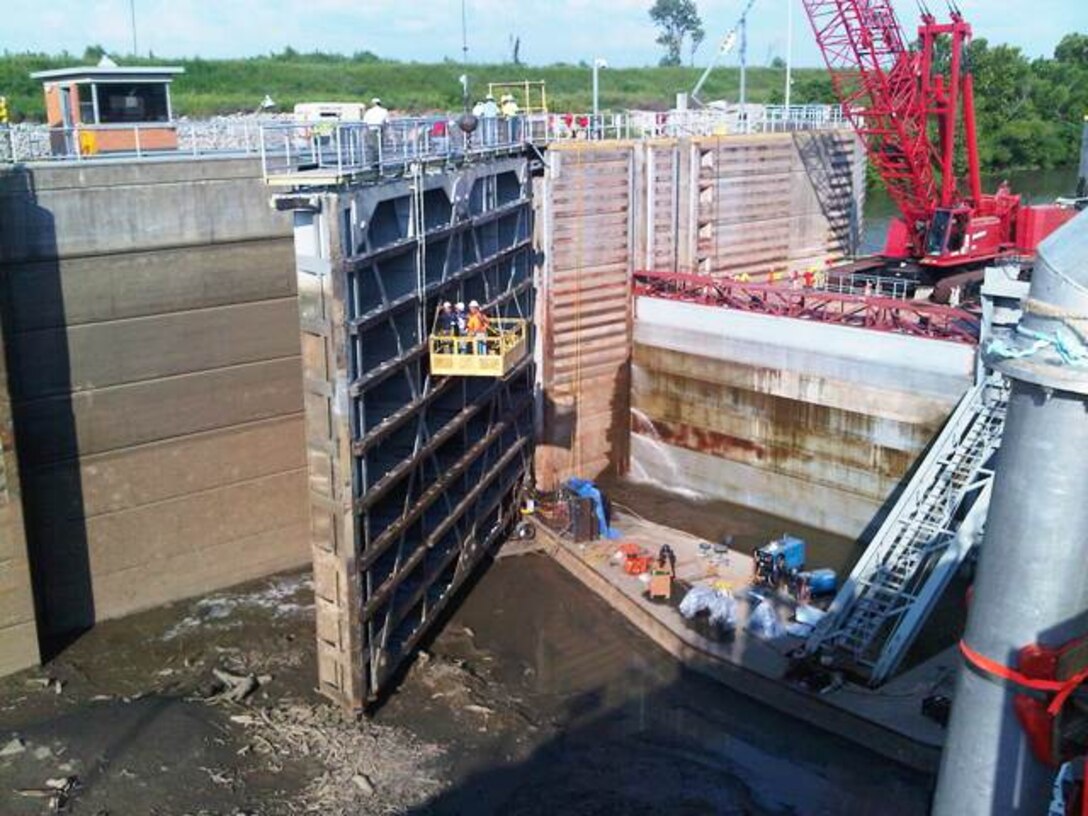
<point x="506" y="345"/>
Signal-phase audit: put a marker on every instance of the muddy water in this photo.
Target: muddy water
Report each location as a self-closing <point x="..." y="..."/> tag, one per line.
<point x="626" y="729"/>
<point x="534" y="698"/>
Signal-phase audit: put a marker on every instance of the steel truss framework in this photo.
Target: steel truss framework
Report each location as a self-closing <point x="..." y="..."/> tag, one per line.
<point x="412" y="477"/>
<point x="876" y="78"/>
<point x="886" y="314"/>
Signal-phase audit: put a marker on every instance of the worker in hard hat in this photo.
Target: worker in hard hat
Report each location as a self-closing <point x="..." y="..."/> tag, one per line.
<point x="446" y="325"/>
<point x="489" y="116"/>
<point x="460" y="323"/>
<point x="376" y="115"/>
<point x="510" y="110"/>
<point x="477" y="325"/>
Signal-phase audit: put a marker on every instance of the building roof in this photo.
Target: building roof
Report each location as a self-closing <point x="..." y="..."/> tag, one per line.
<point x="153" y="73"/>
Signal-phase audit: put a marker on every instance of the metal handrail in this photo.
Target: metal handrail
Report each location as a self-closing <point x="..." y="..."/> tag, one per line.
<point x="283" y="143"/>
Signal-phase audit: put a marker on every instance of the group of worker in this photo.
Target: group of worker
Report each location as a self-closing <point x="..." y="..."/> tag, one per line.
<point x="487" y="108"/>
<point x="455" y="321"/>
<point x="488" y="111"/>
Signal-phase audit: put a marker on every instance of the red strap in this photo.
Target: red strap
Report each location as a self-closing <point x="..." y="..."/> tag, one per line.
<point x="1084" y="790"/>
<point x="1062" y="689"/>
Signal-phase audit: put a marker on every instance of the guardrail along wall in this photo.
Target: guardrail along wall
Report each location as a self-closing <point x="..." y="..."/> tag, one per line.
<point x="761" y="206"/>
<point x="412" y="476"/>
<point x="151" y="330"/>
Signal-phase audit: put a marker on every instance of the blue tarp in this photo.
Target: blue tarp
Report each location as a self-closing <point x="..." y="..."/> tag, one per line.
<point x="587" y="490"/>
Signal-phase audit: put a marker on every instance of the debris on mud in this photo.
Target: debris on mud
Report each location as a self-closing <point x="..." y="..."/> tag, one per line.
<point x="363" y="767"/>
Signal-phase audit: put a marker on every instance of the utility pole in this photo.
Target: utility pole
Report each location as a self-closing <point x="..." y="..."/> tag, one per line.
<point x="598" y="64"/>
<point x="743" y="96"/>
<point x="132" y="12"/>
<point x="789" y="52"/>
<point x="464" y="34"/>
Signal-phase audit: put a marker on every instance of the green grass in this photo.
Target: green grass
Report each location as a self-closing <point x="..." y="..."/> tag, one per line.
<point x="1029" y="111"/>
<point x="227" y="86"/>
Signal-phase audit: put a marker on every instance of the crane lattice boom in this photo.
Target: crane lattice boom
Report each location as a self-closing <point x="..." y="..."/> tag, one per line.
<point x="875" y="76"/>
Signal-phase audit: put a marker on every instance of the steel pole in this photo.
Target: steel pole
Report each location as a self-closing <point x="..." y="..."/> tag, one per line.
<point x="1030" y="586"/>
<point x="596" y="88"/>
<point x="1082" y="173"/>
<point x="789" y="53"/>
<point x="743" y="62"/>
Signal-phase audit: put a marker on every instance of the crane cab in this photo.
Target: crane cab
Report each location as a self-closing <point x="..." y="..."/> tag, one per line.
<point x="505" y="346"/>
<point x="959" y="234"/>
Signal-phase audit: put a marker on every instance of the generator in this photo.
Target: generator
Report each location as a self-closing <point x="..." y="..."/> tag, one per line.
<point x="776" y="560"/>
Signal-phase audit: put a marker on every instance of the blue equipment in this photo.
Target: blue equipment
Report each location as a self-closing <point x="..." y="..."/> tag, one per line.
<point x="821" y="581"/>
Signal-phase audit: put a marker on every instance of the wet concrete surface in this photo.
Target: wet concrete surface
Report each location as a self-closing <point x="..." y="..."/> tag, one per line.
<point x="535" y="697"/>
<point x="713" y="519"/>
<point x="634" y="732"/>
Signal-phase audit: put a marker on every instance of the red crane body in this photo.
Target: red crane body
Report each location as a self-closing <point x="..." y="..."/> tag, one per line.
<point x="891" y="94"/>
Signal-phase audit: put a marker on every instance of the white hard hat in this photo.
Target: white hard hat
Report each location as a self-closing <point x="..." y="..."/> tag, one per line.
<point x="447" y="305"/>
<point x="472" y="304"/>
<point x="460" y="306"/>
<point x="375" y="101"/>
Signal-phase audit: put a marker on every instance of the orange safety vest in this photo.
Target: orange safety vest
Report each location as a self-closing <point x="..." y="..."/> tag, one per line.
<point x="477" y="323"/>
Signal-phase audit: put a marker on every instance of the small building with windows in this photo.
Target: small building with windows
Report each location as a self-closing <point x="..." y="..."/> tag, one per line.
<point x="109" y="108"/>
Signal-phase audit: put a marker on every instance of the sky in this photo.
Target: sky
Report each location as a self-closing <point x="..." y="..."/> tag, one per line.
<point x="618" y="31"/>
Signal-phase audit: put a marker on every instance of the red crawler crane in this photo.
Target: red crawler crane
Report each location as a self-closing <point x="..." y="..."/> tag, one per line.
<point x="890" y="93"/>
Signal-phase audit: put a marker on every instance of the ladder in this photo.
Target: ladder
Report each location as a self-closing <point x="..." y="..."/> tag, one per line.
<point x="932" y="527"/>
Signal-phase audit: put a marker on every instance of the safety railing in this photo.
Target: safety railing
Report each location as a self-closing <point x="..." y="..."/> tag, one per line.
<point x="286" y="145"/>
<point x="222" y="136"/>
<point x="879" y="313"/>
<point x="735" y="119"/>
<point x="346" y="148"/>
<point x="493" y="355"/>
<point x="862" y="284"/>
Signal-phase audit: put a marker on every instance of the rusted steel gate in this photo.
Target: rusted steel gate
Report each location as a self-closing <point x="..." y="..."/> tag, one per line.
<point x="916" y="318"/>
<point x="412" y="477"/>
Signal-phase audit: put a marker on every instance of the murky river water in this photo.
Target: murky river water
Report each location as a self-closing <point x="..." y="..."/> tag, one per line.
<point x="1036" y="186"/>
<point x="637" y="732"/>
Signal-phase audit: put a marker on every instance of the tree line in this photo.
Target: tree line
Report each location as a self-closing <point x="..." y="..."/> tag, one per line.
<point x="1030" y="111"/>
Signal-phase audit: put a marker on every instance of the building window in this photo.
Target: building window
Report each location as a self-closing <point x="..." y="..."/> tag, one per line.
<point x="131" y="103"/>
<point x="86" y="106"/>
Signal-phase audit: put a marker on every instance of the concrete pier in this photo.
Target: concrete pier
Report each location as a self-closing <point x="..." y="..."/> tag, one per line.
<point x="153" y="364"/>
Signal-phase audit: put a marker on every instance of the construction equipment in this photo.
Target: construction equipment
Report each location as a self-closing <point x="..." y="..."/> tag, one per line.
<point x="892" y="94"/>
<point x="921" y="544"/>
<point x="506" y="345"/>
<point x="776" y="560"/>
<point x="727" y="44"/>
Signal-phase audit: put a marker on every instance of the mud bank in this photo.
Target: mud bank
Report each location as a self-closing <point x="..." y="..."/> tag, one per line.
<point x="533" y="698"/>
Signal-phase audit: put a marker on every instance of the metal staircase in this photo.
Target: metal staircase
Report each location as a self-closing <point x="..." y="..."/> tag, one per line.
<point x="925" y="538"/>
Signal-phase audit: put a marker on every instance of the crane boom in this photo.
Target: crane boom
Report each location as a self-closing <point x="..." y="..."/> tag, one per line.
<point x="724" y="47"/>
<point x="891" y="94"/>
<point x="875" y="77"/>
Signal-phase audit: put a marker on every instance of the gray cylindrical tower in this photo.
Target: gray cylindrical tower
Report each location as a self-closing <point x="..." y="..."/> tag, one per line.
<point x="1082" y="175"/>
<point x="1030" y="586"/>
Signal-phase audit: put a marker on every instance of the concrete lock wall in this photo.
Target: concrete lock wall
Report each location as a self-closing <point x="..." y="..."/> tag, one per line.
<point x="153" y="361"/>
<point x="18" y="627"/>
<point x="814" y="422"/>
<point x="764" y="205"/>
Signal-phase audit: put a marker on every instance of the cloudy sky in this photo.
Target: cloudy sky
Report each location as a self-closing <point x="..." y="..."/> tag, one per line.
<point x="550" y="30"/>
